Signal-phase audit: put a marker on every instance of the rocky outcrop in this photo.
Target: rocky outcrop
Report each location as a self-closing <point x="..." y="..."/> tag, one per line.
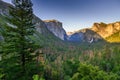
<point x="69" y="33"/>
<point x="56" y="28"/>
<point x="84" y="35"/>
<point x="91" y="36"/>
<point x="76" y="37"/>
<point x="97" y="32"/>
<point x="106" y="30"/>
<point x="4" y="8"/>
<point x="39" y="24"/>
<point x="46" y="28"/>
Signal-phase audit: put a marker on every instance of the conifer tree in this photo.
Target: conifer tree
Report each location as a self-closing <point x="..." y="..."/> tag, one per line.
<point x="18" y="59"/>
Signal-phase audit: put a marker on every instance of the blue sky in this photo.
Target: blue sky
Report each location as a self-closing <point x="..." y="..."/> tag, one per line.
<point x="77" y="14"/>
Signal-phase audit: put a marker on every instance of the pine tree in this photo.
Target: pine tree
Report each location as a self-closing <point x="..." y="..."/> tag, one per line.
<point x="18" y="59"/>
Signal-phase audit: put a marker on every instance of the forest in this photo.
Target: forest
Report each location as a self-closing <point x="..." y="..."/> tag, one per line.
<point x="27" y="55"/>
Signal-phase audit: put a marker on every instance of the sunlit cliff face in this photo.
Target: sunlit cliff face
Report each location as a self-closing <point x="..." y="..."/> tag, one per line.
<point x="109" y="32"/>
<point x="105" y="30"/>
<point x="56" y="28"/>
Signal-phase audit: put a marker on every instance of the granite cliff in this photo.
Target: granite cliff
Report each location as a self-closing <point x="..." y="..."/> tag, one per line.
<point x="46" y="28"/>
<point x="97" y="32"/>
<point x="84" y="35"/>
<point x="39" y="24"/>
<point x="56" y="28"/>
<point x="4" y="8"/>
<point x="106" y="30"/>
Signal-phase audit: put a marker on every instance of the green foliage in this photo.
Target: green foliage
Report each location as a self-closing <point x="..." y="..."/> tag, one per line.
<point x="36" y="77"/>
<point x="17" y="50"/>
<point x="89" y="72"/>
<point x="70" y="67"/>
<point x="1" y="73"/>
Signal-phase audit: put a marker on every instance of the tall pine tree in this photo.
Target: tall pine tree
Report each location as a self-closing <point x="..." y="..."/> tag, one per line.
<point x="18" y="59"/>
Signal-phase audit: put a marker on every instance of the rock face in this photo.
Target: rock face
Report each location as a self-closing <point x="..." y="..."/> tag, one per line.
<point x="69" y="33"/>
<point x="84" y="35"/>
<point x="91" y="36"/>
<point x="4" y="8"/>
<point x="48" y="27"/>
<point x="39" y="24"/>
<point x="97" y="32"/>
<point x="76" y="37"/>
<point x="56" y="28"/>
<point x="106" y="30"/>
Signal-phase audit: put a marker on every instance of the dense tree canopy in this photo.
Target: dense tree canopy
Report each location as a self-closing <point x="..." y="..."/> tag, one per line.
<point x="18" y="48"/>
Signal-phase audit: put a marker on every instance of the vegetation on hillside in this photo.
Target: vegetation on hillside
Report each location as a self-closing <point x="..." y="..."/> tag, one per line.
<point x="17" y="49"/>
<point x="114" y="38"/>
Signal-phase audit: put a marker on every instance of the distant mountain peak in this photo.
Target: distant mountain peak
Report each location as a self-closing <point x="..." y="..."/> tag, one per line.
<point x="52" y="20"/>
<point x="106" y="30"/>
<point x="70" y="33"/>
<point x="39" y="24"/>
<point x="56" y="28"/>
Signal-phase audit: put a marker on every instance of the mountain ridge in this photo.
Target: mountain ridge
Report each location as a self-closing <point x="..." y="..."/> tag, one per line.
<point x="39" y="24"/>
<point x="105" y="30"/>
<point x="54" y="28"/>
<point x="102" y="29"/>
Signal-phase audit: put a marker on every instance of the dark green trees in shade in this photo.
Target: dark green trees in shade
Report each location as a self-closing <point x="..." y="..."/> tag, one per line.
<point x="83" y="71"/>
<point x="18" y="57"/>
<point x="89" y="72"/>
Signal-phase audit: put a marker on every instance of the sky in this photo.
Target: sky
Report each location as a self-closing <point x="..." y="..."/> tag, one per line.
<point x="77" y="14"/>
